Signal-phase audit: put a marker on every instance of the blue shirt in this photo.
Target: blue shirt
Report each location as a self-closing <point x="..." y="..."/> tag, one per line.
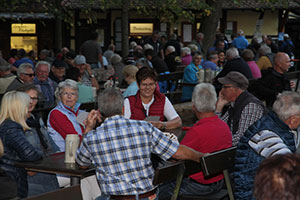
<point x="240" y="42"/>
<point x="131" y="90"/>
<point x="121" y="149"/>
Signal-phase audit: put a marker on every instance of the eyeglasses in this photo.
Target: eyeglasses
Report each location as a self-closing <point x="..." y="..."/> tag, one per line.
<point x="34" y="98"/>
<point x="30" y="75"/>
<point x="146" y="85"/>
<point x="229" y="86"/>
<point x="69" y="94"/>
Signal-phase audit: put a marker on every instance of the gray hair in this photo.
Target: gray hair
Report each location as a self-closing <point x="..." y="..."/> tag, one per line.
<point x="65" y="84"/>
<point x="170" y="49"/>
<point x="204" y="97"/>
<point x="232" y="53"/>
<point x="133" y="44"/>
<point x="116" y="58"/>
<point x="287" y="104"/>
<point x="148" y="46"/>
<point x="264" y="50"/>
<point x="4" y="66"/>
<point x="22" y="68"/>
<point x="42" y="63"/>
<point x="110" y="102"/>
<point x="186" y="50"/>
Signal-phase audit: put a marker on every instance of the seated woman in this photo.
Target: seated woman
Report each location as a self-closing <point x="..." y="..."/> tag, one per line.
<point x="62" y="118"/>
<point x="150" y="102"/>
<point x="190" y="76"/>
<point x="14" y="109"/>
<point x="129" y="73"/>
<point x="39" y="137"/>
<point x="85" y="93"/>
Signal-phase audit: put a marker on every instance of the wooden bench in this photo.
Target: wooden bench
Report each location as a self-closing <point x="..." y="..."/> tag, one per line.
<point x="174" y="77"/>
<point x="73" y="192"/>
<point x="211" y="165"/>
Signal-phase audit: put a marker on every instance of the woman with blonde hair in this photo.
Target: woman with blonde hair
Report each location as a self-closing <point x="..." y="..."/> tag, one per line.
<point x="129" y="72"/>
<point x="14" y="109"/>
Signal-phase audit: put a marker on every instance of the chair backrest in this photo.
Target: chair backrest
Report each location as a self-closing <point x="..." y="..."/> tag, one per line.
<point x="294" y="75"/>
<point x="215" y="163"/>
<point x="73" y="192"/>
<point x="166" y="172"/>
<point x="89" y="106"/>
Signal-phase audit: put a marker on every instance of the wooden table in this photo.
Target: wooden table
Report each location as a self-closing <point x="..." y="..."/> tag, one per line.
<point x="54" y="164"/>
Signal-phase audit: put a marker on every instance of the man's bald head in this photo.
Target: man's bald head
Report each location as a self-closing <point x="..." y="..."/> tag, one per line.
<point x="282" y="62"/>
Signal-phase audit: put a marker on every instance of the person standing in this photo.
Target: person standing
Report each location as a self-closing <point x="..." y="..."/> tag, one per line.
<point x="92" y="51"/>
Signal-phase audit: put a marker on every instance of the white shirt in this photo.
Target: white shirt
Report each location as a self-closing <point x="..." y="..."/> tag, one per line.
<point x="169" y="111"/>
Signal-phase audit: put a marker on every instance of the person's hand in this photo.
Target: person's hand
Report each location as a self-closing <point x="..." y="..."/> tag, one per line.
<point x="221" y="102"/>
<point x="157" y="124"/>
<point x="292" y="84"/>
<point x="89" y="69"/>
<point x="91" y="120"/>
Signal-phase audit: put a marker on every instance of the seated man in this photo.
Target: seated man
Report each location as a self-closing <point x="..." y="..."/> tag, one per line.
<point x="121" y="149"/>
<point x="271" y="135"/>
<point x="45" y="85"/>
<point x="244" y="109"/>
<point x="208" y="135"/>
<point x="25" y="76"/>
<point x="150" y="102"/>
<point x="273" y="80"/>
<point x="275" y="178"/>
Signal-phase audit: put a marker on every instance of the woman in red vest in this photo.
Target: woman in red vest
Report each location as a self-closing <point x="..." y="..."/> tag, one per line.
<point x="150" y="102"/>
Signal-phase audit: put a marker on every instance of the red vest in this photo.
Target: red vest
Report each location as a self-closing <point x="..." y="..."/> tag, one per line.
<point x="156" y="109"/>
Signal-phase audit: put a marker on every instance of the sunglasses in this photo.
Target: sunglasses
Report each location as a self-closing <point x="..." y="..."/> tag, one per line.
<point x="30" y="75"/>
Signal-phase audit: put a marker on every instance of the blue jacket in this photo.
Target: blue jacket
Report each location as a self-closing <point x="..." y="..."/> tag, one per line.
<point x="17" y="148"/>
<point x="189" y="76"/>
<point x="247" y="160"/>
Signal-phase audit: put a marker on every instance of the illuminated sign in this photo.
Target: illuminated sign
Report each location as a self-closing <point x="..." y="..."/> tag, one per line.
<point x="23" y="28"/>
<point x="141" y="28"/>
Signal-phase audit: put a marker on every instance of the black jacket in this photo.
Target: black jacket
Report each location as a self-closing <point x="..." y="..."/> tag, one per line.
<point x="17" y="148"/>
<point x="269" y="85"/>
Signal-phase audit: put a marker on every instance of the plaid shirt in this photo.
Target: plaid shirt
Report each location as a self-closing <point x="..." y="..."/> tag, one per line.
<point x="250" y="114"/>
<point x="120" y="149"/>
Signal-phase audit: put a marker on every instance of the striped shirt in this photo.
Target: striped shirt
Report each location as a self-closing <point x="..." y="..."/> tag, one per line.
<point x="267" y="143"/>
<point x="120" y="149"/>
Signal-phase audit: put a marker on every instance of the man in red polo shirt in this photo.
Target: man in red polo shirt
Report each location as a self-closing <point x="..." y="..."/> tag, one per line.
<point x="208" y="135"/>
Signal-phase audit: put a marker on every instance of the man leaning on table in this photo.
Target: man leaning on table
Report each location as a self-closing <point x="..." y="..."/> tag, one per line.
<point x="121" y="148"/>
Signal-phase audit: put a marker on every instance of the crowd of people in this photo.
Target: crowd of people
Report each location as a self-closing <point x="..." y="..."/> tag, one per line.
<point x="249" y="104"/>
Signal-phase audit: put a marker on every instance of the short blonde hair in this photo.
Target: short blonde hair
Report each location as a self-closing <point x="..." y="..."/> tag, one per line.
<point x="14" y="106"/>
<point x="130" y="71"/>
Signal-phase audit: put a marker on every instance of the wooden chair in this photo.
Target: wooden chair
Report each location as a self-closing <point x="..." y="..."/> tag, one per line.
<point x="211" y="165"/>
<point x="168" y="172"/>
<point x="294" y="75"/>
<point x="73" y="192"/>
<point x="88" y="106"/>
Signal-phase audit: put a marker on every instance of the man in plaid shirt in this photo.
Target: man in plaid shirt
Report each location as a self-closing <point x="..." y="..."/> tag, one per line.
<point x="121" y="149"/>
<point x="244" y="108"/>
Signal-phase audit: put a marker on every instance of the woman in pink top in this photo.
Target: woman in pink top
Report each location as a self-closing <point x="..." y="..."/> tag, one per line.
<point x="248" y="56"/>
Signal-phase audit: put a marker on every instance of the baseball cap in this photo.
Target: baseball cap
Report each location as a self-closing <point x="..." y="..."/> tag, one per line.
<point x="59" y="64"/>
<point x="80" y="59"/>
<point x="236" y="79"/>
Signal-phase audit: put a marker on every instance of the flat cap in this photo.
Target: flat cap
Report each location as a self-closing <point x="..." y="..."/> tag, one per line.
<point x="236" y="79"/>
